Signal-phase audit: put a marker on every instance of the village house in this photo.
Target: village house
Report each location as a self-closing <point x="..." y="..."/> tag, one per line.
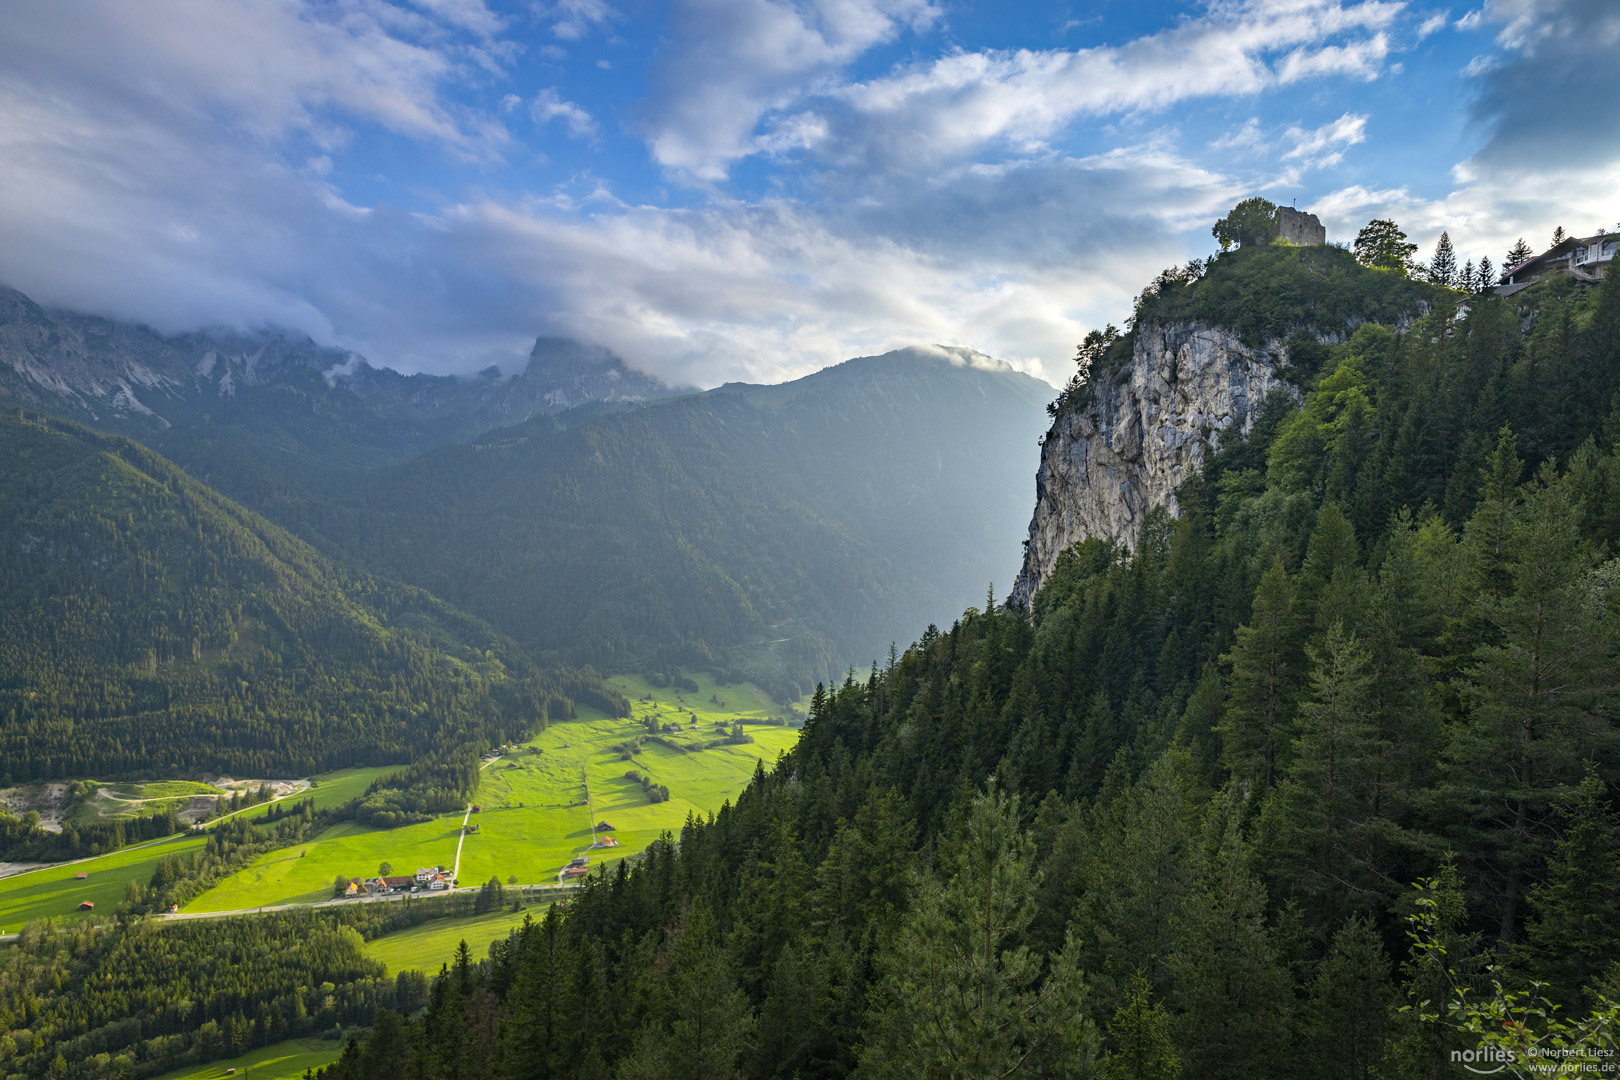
<point x="1587" y="258"/>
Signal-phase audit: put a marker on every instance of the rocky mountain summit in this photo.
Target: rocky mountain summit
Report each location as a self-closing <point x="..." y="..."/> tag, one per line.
<point x="134" y="380"/>
<point x="1106" y="464"/>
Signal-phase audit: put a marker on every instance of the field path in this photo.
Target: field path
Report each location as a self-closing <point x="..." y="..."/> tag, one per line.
<point x="455" y="872"/>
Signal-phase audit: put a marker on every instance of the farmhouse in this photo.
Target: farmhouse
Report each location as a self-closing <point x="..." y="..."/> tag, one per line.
<point x="602" y="826"/>
<point x="427" y="874"/>
<point x="87" y="905"/>
<point x="574" y="873"/>
<point x="605" y="841"/>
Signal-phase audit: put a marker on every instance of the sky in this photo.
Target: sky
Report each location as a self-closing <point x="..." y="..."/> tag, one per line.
<point x="755" y="189"/>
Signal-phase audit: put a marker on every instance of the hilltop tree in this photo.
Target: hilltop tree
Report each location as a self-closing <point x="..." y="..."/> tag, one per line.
<point x="1381" y="243"/>
<point x="1443" y="267"/>
<point x="1252" y="222"/>
<point x="1519" y="252"/>
<point x="1487" y="274"/>
<point x="1559" y="236"/>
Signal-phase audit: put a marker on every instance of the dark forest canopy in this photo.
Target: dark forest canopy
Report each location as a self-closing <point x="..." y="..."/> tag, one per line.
<point x="149" y="625"/>
<point x="1169" y="818"/>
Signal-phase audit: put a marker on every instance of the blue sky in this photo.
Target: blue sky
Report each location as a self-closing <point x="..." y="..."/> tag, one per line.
<point x="723" y="189"/>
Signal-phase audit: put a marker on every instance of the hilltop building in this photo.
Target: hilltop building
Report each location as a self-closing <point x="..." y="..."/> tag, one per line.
<point x="1299" y="228"/>
<point x="1586" y="257"/>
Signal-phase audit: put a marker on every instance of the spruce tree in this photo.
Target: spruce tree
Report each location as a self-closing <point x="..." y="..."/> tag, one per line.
<point x="1443" y="267"/>
<point x="1518" y="253"/>
<point x="1261" y="691"/>
<point x="1139" y="1045"/>
<point x="1350" y="1003"/>
<point x="1486" y="277"/>
<point x="1535" y="693"/>
<point x="1232" y="998"/>
<point x="960" y="997"/>
<point x="1574" y="927"/>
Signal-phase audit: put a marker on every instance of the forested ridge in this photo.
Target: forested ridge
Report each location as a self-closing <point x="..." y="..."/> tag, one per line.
<point x="151" y="626"/>
<point x="1167" y="821"/>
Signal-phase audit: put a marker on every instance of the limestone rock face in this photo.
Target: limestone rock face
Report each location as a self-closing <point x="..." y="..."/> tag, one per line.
<point x="1107" y="462"/>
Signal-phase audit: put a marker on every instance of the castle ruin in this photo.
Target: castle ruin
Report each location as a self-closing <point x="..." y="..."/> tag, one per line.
<point x="1300" y="228"/>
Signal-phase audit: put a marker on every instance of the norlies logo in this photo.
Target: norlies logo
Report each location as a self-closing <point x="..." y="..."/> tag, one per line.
<point x="1485" y="1060"/>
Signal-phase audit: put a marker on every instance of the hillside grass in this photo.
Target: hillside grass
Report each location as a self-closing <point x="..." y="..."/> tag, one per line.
<point x="55" y="891"/>
<point x="279" y="1061"/>
<point x="432" y="944"/>
<point x="534" y="817"/>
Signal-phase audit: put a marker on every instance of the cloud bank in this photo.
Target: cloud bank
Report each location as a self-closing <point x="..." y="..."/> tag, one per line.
<point x="773" y="185"/>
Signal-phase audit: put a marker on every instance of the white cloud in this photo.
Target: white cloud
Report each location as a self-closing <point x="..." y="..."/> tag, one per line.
<point x="1433" y="25"/>
<point x="571" y="20"/>
<point x="967" y="102"/>
<point x="274" y="67"/>
<point x="731" y="61"/>
<point x="549" y="105"/>
<point x="1323" y="147"/>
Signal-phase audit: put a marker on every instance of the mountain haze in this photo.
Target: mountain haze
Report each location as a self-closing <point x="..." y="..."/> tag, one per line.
<point x="773" y="532"/>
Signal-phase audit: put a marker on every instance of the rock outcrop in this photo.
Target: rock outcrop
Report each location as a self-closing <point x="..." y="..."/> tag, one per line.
<point x="1134" y="436"/>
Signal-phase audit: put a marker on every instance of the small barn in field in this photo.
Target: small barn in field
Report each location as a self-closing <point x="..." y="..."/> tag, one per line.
<point x="82" y="875"/>
<point x="87" y="905"/>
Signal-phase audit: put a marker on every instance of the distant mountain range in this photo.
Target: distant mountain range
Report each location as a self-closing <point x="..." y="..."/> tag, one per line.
<point x="775" y="533"/>
<point x="589" y="510"/>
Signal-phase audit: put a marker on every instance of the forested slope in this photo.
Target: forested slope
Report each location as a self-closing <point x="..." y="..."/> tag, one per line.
<point x="148" y="624"/>
<point x="1165" y="822"/>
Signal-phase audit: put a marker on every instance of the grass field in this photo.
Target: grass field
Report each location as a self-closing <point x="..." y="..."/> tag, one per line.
<point x="281" y="1061"/>
<point x="426" y="947"/>
<point x="56" y="891"/>
<point x="534" y="816"/>
<point x="337" y="788"/>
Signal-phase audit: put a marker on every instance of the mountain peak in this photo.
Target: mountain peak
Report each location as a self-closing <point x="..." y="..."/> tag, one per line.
<point x="563" y="373"/>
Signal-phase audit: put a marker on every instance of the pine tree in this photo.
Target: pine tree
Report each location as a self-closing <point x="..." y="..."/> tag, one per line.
<point x="959" y="996"/>
<point x="1574" y="927"/>
<point x="1318" y="820"/>
<point x="1559" y="236"/>
<point x="1258" y="725"/>
<point x="1350" y="1004"/>
<point x="1468" y="283"/>
<point x="1443" y="267"/>
<point x="1139" y="1038"/>
<point x="1486" y="277"/>
<point x="1518" y="253"/>
<point x="1545" y="663"/>
<point x="700" y="1021"/>
<point x="1232" y="998"/>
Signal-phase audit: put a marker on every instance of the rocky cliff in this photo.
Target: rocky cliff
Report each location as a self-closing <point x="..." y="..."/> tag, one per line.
<point x="1121" y="446"/>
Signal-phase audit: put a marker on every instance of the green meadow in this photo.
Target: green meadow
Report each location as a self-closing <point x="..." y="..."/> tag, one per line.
<point x="304" y="873"/>
<point x="56" y="890"/>
<point x="279" y="1061"/>
<point x="535" y="815"/>
<point x="426" y="947"/>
